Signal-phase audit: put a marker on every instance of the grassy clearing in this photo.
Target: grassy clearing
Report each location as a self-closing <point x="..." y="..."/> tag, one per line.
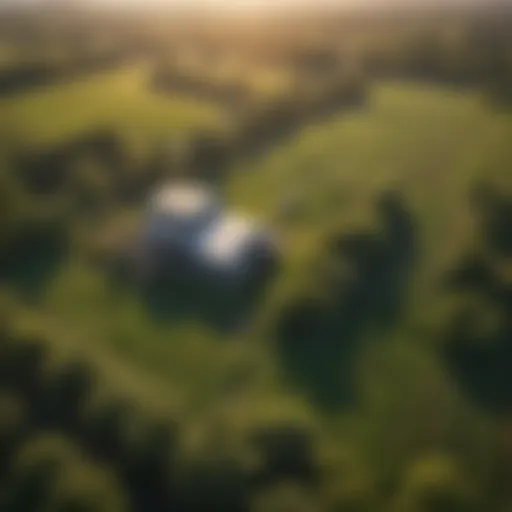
<point x="121" y="100"/>
<point x="431" y="142"/>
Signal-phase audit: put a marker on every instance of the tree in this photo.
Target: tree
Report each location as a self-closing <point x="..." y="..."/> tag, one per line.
<point x="35" y="469"/>
<point x="86" y="488"/>
<point x="91" y="185"/>
<point x="435" y="483"/>
<point x="286" y="452"/>
<point x="51" y="474"/>
<point x="286" y="497"/>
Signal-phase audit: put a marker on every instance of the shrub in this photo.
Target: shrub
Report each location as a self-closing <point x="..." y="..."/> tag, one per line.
<point x="435" y="484"/>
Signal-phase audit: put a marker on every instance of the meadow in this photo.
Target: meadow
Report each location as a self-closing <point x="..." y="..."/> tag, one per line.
<point x="370" y="372"/>
<point x="430" y="142"/>
<point x="119" y="99"/>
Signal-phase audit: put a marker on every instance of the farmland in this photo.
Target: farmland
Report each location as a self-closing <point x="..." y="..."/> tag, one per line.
<point x="371" y="372"/>
<point x="119" y="100"/>
<point x="355" y="155"/>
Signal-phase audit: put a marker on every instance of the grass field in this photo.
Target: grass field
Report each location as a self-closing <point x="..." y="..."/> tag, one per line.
<point x="430" y="142"/>
<point x="121" y="100"/>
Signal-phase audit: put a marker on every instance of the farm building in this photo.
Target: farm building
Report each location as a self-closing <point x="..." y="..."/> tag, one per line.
<point x="187" y="226"/>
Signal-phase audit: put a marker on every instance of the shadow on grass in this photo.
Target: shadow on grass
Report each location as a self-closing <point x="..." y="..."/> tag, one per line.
<point x="481" y="359"/>
<point x="32" y="260"/>
<point x="478" y="340"/>
<point x="318" y="341"/>
<point x="484" y="371"/>
<point x="186" y="294"/>
<point x="178" y="299"/>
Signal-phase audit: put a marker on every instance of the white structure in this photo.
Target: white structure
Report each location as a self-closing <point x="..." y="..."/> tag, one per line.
<point x="177" y="213"/>
<point x="186" y="222"/>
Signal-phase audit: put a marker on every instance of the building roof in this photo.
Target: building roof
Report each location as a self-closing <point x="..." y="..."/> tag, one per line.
<point x="189" y="217"/>
<point x="182" y="201"/>
<point x="226" y="240"/>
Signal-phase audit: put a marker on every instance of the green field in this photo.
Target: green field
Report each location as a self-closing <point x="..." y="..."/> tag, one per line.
<point x="121" y="100"/>
<point x="361" y="359"/>
<point x="429" y="142"/>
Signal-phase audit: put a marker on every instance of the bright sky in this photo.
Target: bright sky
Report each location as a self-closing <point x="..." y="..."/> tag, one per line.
<point x="269" y="3"/>
<point x="248" y="4"/>
<point x="236" y="4"/>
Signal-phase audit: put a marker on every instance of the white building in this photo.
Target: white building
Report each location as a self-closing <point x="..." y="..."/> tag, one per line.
<point x="187" y="225"/>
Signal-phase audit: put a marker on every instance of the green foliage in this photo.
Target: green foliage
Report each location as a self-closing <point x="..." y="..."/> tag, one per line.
<point x="117" y="100"/>
<point x="82" y="488"/>
<point x="435" y="484"/>
<point x="50" y="474"/>
<point x="285" y="498"/>
<point x="91" y="186"/>
<point x="338" y="352"/>
<point x="13" y="416"/>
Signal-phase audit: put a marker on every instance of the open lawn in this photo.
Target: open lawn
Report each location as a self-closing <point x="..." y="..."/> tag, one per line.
<point x="121" y="100"/>
<point x="430" y="142"/>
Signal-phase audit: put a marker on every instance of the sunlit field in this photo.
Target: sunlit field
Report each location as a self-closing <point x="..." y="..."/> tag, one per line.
<point x="255" y="264"/>
<point x="428" y="141"/>
<point x="431" y="142"/>
<point x="121" y="100"/>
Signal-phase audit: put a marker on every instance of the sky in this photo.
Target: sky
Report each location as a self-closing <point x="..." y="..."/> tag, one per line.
<point x="244" y="3"/>
<point x="258" y="5"/>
